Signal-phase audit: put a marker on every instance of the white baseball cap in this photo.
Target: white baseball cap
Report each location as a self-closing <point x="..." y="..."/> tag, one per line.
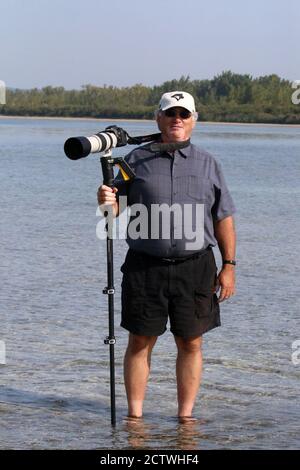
<point x="177" y="98"/>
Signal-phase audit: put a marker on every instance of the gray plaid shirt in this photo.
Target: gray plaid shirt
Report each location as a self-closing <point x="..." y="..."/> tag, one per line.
<point x="188" y="176"/>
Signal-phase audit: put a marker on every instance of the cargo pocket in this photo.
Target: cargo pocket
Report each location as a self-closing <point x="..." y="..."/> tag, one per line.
<point x="133" y="288"/>
<point x="203" y="304"/>
<point x="132" y="301"/>
<point x="207" y="311"/>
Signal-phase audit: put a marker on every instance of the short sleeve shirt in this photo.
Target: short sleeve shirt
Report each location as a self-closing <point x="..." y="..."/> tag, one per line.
<point x="183" y="179"/>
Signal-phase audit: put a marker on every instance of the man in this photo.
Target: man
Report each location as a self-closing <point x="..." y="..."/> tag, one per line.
<point x="165" y="277"/>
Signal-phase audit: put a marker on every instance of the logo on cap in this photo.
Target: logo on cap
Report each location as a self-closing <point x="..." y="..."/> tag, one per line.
<point x="178" y="96"/>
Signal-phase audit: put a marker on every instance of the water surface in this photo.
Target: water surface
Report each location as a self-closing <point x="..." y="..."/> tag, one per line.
<point x="54" y="388"/>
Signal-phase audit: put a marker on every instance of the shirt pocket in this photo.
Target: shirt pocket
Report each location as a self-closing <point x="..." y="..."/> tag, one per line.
<point x="199" y="189"/>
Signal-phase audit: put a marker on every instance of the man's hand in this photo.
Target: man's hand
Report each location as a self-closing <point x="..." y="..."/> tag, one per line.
<point x="107" y="197"/>
<point x="225" y="235"/>
<point x="226" y="282"/>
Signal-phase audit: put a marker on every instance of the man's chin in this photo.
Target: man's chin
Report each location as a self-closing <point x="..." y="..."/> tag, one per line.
<point x="176" y="137"/>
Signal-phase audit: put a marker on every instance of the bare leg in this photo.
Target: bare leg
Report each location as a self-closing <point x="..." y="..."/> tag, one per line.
<point x="189" y="372"/>
<point x="136" y="371"/>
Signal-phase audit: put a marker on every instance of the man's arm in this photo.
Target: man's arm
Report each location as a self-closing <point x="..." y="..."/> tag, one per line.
<point x="225" y="234"/>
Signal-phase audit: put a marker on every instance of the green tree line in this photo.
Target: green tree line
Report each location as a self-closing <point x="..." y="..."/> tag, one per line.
<point x="228" y="97"/>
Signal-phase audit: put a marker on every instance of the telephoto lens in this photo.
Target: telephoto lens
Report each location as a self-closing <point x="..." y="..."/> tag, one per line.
<point x="80" y="147"/>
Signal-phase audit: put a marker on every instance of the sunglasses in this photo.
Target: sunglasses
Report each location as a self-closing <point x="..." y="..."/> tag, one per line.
<point x="183" y="113"/>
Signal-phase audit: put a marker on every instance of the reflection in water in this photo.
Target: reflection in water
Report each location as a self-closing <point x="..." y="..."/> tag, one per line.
<point x="184" y="435"/>
<point x="189" y="434"/>
<point x="138" y="432"/>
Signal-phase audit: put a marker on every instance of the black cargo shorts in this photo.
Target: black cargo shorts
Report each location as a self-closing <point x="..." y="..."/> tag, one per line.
<point x="154" y="290"/>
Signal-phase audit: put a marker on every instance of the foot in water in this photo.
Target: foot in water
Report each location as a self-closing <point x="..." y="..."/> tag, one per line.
<point x="133" y="418"/>
<point x="186" y="419"/>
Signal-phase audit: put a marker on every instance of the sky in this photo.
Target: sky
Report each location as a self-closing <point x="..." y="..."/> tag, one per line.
<point x="71" y="43"/>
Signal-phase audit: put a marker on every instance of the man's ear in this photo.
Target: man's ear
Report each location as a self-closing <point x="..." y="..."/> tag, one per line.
<point x="157" y="117"/>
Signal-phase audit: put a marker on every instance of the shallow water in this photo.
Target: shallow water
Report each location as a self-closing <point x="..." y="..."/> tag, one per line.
<point x="54" y="388"/>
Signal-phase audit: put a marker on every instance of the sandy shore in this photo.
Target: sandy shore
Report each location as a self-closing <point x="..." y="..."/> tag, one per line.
<point x="3" y="116"/>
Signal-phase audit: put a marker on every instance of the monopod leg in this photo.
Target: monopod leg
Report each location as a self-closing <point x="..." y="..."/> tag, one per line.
<point x="111" y="337"/>
<point x="108" y="178"/>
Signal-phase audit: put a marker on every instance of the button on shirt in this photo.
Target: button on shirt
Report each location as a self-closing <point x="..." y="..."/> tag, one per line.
<point x="184" y="179"/>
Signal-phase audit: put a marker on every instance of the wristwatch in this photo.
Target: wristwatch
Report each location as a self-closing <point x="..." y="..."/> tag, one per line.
<point x="229" y="261"/>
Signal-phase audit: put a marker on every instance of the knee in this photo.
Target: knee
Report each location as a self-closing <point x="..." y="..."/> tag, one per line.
<point x="189" y="345"/>
<point x="140" y="344"/>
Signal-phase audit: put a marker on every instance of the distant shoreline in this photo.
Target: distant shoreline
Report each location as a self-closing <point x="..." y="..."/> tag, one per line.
<point x="225" y="123"/>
